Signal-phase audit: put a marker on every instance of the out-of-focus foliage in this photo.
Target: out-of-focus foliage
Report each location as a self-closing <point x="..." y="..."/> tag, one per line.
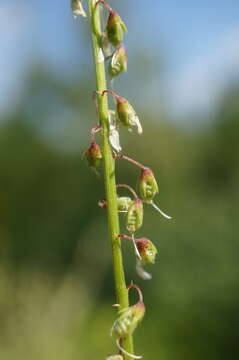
<point x="56" y="277"/>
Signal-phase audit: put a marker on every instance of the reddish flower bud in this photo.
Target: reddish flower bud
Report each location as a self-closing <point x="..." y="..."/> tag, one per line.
<point x="93" y="155"/>
<point x="118" y="61"/>
<point x="148" y="185"/>
<point x="127" y="114"/>
<point x="129" y="317"/>
<point x="147" y="250"/>
<point x="115" y="28"/>
<point x="134" y="218"/>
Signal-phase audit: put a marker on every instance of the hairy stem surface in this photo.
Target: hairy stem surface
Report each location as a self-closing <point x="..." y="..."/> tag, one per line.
<point x="109" y="178"/>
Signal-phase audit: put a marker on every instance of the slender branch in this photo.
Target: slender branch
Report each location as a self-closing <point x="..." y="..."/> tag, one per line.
<point x="136" y="163"/>
<point x="109" y="177"/>
<point x="125" y="186"/>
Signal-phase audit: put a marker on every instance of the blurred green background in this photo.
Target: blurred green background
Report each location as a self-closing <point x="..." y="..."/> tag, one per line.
<point x="56" y="281"/>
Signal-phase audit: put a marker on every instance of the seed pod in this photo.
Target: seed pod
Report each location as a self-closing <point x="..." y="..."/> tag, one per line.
<point x="123" y="203"/>
<point x="148" y="185"/>
<point x="115" y="28"/>
<point x="118" y="61"/>
<point x="93" y="155"/>
<point x="127" y="115"/>
<point x="147" y="250"/>
<point x="128" y="320"/>
<point x="134" y="219"/>
<point x="77" y="8"/>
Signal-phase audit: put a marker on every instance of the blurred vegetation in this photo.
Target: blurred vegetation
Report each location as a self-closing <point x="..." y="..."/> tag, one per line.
<point x="56" y="277"/>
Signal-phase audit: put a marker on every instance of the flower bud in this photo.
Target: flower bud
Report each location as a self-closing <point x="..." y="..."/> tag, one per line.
<point x="134" y="218"/>
<point x="147" y="250"/>
<point x="118" y="61"/>
<point x="93" y="155"/>
<point x="123" y="203"/>
<point x="115" y="28"/>
<point x="128" y="320"/>
<point x="114" y="357"/>
<point x="148" y="185"/>
<point x="127" y="114"/>
<point x="77" y="8"/>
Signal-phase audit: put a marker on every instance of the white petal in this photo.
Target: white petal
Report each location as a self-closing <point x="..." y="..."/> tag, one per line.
<point x="160" y="211"/>
<point x="114" y="139"/>
<point x="77" y="8"/>
<point x="141" y="272"/>
<point x="101" y="57"/>
<point x="138" y="125"/>
<point x="112" y="118"/>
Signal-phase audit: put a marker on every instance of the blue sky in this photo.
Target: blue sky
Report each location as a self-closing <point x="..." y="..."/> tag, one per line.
<point x="199" y="41"/>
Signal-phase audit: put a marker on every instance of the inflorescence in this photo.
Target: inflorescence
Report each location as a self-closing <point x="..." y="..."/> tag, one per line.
<point x="123" y="115"/>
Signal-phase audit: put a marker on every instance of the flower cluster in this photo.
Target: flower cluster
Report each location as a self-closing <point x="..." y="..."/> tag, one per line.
<point x="123" y="115"/>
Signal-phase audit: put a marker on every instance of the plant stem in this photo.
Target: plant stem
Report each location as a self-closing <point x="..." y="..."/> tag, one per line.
<point x="109" y="178"/>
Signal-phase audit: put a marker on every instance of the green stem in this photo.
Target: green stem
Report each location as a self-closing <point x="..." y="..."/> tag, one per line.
<point x="109" y="177"/>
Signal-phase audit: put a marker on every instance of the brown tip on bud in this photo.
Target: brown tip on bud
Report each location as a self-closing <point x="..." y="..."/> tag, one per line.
<point x="115" y="28"/>
<point x="148" y="185"/>
<point x="147" y="250"/>
<point x="93" y="155"/>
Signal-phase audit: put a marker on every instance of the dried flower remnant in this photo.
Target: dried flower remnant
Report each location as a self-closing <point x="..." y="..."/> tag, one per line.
<point x="77" y="8"/>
